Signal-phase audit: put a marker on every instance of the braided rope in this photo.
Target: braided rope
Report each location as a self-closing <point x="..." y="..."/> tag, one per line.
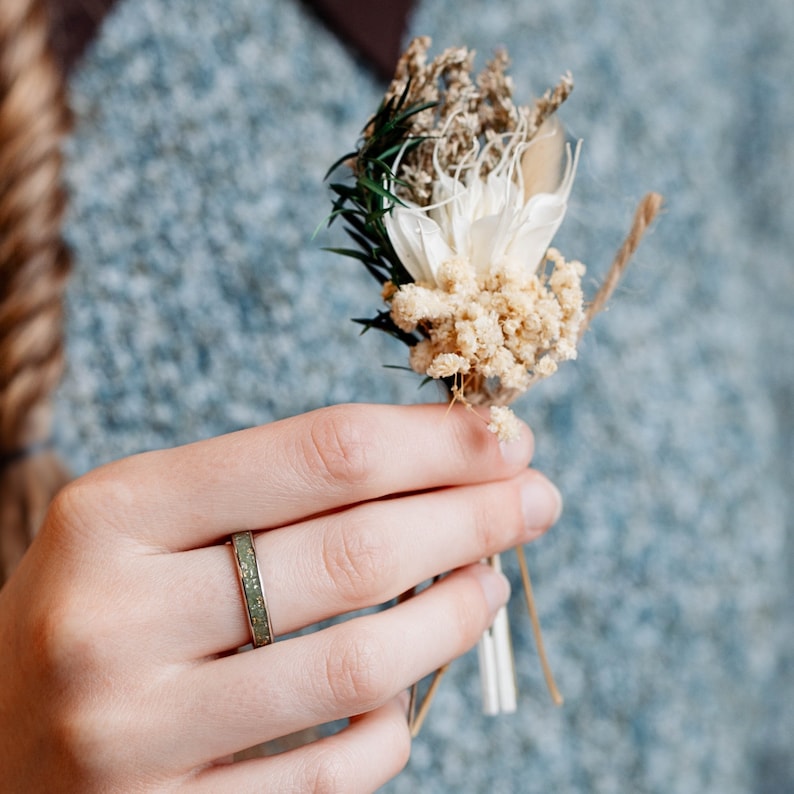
<point x="34" y="265"/>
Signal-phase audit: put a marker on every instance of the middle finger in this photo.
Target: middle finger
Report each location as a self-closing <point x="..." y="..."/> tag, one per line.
<point x="348" y="560"/>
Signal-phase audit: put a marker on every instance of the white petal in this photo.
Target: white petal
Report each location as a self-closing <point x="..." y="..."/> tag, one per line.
<point x="456" y="212"/>
<point x="535" y="234"/>
<point x="445" y="187"/>
<point x="540" y="219"/>
<point x="484" y="238"/>
<point x="498" y="193"/>
<point x="418" y="242"/>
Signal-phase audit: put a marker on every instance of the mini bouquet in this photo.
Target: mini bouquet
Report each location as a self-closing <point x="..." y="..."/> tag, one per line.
<point x="455" y="197"/>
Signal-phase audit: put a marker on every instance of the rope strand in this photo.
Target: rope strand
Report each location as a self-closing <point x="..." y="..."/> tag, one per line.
<point x="34" y="266"/>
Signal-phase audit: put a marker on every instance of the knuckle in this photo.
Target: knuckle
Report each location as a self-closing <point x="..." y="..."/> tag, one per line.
<point x="485" y="513"/>
<point x="72" y="505"/>
<point x="354" y="671"/>
<point x="331" y="772"/>
<point x="78" y="717"/>
<point x="97" y="497"/>
<point x="95" y="744"/>
<point x="469" y="614"/>
<point x="77" y="735"/>
<point x="340" y="446"/>
<point x="67" y="647"/>
<point x="497" y="517"/>
<point x="470" y="440"/>
<point x="357" y="560"/>
<point x="67" y="747"/>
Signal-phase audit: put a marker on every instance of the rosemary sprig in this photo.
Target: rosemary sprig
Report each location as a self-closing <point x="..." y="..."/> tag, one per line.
<point x="363" y="204"/>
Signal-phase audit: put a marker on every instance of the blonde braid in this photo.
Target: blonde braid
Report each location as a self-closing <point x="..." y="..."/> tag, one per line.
<point x="34" y="265"/>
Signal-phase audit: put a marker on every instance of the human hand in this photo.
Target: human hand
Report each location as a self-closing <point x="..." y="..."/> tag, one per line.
<point x="118" y="627"/>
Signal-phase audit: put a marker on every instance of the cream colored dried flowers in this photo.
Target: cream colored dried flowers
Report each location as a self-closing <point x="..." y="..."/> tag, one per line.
<point x="479" y="203"/>
<point x="494" y="337"/>
<point x="458" y="193"/>
<point x="504" y="423"/>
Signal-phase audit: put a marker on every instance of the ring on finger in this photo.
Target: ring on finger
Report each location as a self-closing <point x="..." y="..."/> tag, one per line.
<point x="252" y="589"/>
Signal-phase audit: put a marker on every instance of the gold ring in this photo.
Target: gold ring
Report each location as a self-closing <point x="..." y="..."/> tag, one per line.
<point x="251" y="586"/>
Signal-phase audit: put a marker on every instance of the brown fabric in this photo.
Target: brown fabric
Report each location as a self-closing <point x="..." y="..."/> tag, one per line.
<point x="374" y="28"/>
<point x="74" y="25"/>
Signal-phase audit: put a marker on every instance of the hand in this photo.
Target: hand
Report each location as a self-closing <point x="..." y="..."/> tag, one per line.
<point x="117" y="629"/>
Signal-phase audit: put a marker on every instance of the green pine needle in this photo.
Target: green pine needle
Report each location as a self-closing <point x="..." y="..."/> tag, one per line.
<point x="363" y="201"/>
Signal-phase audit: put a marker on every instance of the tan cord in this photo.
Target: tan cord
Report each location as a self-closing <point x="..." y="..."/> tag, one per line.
<point x="533" y="616"/>
<point x="34" y="265"/>
<point x="417" y="719"/>
<point x="644" y="215"/>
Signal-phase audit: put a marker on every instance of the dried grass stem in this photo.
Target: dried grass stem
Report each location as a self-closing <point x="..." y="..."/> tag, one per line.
<point x="644" y="215"/>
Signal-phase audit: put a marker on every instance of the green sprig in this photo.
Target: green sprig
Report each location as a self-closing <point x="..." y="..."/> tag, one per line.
<point x="363" y="203"/>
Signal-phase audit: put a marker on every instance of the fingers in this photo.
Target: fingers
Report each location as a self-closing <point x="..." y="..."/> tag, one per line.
<point x="349" y="560"/>
<point x="286" y="471"/>
<point x="347" y="669"/>
<point x="359" y="503"/>
<point x="359" y="759"/>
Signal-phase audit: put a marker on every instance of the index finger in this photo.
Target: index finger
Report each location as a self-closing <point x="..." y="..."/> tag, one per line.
<point x="272" y="475"/>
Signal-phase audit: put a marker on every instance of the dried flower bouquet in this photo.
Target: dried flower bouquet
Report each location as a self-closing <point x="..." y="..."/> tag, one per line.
<point x="457" y="193"/>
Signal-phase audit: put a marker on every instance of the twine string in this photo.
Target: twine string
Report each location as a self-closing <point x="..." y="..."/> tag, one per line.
<point x="644" y="216"/>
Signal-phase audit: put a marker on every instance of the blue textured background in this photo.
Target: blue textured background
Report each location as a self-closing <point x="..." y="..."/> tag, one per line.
<point x="201" y="304"/>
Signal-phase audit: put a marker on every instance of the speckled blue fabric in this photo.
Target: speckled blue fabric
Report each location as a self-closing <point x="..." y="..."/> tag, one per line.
<point x="202" y="304"/>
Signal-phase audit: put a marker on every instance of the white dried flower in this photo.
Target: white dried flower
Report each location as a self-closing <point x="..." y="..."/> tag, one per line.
<point x="493" y="223"/>
<point x="494" y="320"/>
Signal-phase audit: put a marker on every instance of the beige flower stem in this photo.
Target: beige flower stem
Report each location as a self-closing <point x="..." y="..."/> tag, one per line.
<point x="533" y="615"/>
<point x="412" y="696"/>
<point x="489" y="684"/>
<point x="497" y="667"/>
<point x="505" y="664"/>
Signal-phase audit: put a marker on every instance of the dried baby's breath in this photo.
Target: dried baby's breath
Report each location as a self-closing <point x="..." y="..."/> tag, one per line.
<point x="504" y="423"/>
<point x="495" y="336"/>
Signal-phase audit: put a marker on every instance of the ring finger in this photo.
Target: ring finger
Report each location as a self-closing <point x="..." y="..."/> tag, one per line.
<point x="352" y="559"/>
<point x="347" y="669"/>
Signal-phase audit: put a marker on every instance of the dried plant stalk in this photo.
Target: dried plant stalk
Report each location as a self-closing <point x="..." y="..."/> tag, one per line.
<point x="536" y="630"/>
<point x="644" y="215"/>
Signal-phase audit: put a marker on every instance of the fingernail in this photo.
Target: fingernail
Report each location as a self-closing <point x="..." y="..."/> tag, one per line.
<point x="495" y="587"/>
<point x="542" y="504"/>
<point x="518" y="452"/>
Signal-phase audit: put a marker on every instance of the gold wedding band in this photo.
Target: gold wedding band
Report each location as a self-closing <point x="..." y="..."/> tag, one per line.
<point x="252" y="589"/>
